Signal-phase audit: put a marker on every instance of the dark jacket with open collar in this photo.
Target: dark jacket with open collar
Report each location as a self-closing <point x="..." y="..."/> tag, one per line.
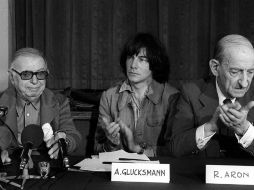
<point x="195" y="107"/>
<point x="54" y="109"/>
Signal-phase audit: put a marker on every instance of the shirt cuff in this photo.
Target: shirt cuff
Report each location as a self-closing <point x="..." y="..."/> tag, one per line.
<point x="247" y="138"/>
<point x="201" y="140"/>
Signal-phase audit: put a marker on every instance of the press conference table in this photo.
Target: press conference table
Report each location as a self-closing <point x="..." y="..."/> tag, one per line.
<point x="186" y="173"/>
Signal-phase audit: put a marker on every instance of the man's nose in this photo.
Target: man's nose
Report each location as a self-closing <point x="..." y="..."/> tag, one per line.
<point x="34" y="79"/>
<point x="244" y="81"/>
<point x="134" y="62"/>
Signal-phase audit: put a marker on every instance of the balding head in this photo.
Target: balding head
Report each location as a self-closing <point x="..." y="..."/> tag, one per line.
<point x="233" y="65"/>
<point x="228" y="42"/>
<point x="27" y="52"/>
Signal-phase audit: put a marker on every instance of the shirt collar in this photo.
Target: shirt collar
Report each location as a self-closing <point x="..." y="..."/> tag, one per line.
<point x="221" y="96"/>
<point x="21" y="103"/>
<point x="153" y="87"/>
<point x="125" y="87"/>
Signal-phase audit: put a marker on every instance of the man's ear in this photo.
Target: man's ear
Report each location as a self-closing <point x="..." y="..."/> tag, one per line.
<point x="214" y="66"/>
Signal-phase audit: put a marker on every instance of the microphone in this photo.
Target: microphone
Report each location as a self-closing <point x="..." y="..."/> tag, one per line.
<point x="63" y="150"/>
<point x="31" y="137"/>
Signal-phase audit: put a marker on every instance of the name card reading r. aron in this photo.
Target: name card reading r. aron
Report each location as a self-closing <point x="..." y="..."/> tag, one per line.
<point x="140" y="172"/>
<point x="228" y="174"/>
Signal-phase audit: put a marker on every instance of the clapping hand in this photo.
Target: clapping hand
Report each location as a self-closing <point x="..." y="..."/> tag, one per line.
<point x="211" y="126"/>
<point x="234" y="116"/>
<point x="112" y="131"/>
<point x="128" y="137"/>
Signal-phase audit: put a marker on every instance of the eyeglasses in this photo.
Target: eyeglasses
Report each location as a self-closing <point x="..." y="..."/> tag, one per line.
<point x="27" y="75"/>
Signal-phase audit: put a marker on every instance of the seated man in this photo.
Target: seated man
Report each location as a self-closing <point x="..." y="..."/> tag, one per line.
<point x="29" y="102"/>
<point x="213" y="117"/>
<point x="133" y="114"/>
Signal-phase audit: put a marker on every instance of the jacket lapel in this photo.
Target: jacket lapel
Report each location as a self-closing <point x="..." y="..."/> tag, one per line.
<point x="48" y="107"/>
<point x="209" y="101"/>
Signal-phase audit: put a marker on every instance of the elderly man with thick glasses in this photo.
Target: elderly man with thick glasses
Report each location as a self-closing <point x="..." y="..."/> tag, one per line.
<point x="29" y="102"/>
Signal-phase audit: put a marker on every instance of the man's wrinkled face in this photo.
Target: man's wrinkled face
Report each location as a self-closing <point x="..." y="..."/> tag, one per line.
<point x="236" y="71"/>
<point x="137" y="68"/>
<point x="28" y="89"/>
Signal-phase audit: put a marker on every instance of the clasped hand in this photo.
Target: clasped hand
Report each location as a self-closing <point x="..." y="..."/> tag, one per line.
<point x="234" y="116"/>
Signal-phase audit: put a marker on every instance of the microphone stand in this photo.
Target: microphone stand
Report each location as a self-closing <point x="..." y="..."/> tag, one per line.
<point x="63" y="150"/>
<point x="25" y="164"/>
<point x="25" y="176"/>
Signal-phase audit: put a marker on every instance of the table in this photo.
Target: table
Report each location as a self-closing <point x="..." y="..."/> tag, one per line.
<point x="186" y="173"/>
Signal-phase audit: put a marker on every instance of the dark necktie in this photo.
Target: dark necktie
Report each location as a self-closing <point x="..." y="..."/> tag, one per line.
<point x="226" y="136"/>
<point x="227" y="101"/>
<point x="223" y="129"/>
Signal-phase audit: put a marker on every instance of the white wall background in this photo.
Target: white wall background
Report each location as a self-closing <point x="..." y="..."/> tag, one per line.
<point x="4" y="44"/>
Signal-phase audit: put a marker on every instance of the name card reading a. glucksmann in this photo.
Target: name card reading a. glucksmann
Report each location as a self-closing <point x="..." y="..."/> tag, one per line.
<point x="228" y="174"/>
<point x="140" y="172"/>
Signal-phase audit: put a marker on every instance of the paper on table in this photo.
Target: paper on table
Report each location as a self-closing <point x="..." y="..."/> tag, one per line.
<point x="115" y="155"/>
<point x="96" y="164"/>
<point x="93" y="164"/>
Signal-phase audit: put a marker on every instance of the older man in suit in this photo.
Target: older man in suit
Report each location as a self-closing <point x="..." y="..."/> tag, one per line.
<point x="29" y="102"/>
<point x="214" y="117"/>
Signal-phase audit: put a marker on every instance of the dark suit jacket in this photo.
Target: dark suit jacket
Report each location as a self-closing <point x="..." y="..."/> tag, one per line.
<point x="196" y="106"/>
<point x="54" y="109"/>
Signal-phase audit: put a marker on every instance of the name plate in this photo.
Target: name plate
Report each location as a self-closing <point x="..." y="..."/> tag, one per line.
<point x="226" y="174"/>
<point x="140" y="172"/>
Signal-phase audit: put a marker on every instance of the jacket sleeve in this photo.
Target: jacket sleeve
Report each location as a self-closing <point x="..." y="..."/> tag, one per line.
<point x="183" y="138"/>
<point x="102" y="143"/>
<point x="66" y="124"/>
<point x="250" y="118"/>
<point x="163" y="149"/>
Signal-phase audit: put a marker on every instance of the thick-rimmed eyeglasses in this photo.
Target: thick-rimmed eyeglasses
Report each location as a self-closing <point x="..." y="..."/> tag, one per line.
<point x="27" y="75"/>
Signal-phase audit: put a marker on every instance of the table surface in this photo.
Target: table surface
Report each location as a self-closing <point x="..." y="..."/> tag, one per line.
<point x="185" y="173"/>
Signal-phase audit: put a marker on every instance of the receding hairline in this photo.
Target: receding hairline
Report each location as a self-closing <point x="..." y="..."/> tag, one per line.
<point x="27" y="52"/>
<point x="228" y="42"/>
<point x="235" y="39"/>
